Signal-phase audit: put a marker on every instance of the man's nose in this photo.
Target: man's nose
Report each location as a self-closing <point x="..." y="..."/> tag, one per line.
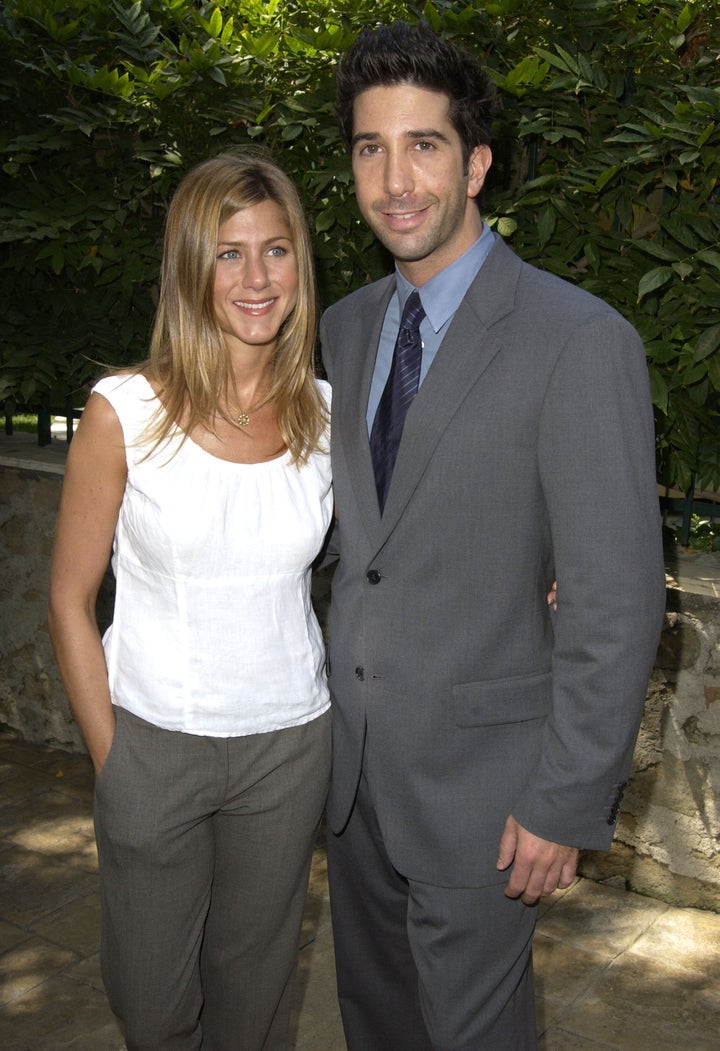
<point x="399" y="178"/>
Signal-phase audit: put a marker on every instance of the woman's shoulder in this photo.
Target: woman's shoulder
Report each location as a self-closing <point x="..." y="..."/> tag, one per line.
<point x="131" y="383"/>
<point x="132" y="397"/>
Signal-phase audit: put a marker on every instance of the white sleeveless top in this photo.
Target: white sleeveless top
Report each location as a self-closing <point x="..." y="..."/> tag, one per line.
<point x="214" y="632"/>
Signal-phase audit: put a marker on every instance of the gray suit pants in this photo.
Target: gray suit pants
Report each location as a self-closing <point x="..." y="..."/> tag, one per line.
<point x="205" y="846"/>
<point x="424" y="968"/>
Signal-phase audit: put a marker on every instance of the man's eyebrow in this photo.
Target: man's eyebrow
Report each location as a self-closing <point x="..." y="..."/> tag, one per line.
<point x="373" y="136"/>
<point x="431" y="133"/>
<point x="365" y="136"/>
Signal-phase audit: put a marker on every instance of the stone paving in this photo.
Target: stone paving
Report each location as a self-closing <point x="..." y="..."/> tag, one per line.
<point x="614" y="970"/>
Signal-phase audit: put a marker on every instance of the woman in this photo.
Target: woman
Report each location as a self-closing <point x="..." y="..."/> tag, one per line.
<point x="205" y="706"/>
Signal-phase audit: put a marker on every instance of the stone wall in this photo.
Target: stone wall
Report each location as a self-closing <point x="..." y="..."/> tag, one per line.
<point x="668" y="839"/>
<point x="32" y="701"/>
<point x="667" y="843"/>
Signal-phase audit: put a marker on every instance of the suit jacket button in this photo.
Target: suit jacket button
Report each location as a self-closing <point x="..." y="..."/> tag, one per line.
<point x="360" y="673"/>
<point x="373" y="577"/>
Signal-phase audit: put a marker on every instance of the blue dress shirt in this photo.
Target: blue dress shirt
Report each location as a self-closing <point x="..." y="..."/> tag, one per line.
<point x="440" y="297"/>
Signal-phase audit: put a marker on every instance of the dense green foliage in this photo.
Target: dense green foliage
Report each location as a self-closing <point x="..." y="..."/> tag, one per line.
<point x="607" y="166"/>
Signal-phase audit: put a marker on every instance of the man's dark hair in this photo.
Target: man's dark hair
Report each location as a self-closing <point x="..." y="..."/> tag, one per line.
<point x="401" y="53"/>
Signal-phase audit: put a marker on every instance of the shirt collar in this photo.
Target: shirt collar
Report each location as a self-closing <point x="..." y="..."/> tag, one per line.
<point x="443" y="294"/>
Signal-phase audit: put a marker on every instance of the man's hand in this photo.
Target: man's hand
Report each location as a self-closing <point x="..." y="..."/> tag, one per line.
<point x="552" y="597"/>
<point x="540" y="866"/>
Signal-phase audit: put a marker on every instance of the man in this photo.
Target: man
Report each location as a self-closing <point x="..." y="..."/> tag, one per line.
<point x="480" y="738"/>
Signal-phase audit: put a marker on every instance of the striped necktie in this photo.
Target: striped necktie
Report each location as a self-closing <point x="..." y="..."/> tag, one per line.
<point x="400" y="389"/>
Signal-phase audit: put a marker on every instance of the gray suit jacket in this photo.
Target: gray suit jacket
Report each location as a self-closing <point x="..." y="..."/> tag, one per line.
<point x="527" y="455"/>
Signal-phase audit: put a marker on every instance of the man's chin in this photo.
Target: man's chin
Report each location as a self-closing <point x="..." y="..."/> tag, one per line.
<point x="404" y="247"/>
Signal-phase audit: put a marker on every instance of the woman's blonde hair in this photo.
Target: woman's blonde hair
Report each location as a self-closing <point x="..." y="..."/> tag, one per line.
<point x="188" y="360"/>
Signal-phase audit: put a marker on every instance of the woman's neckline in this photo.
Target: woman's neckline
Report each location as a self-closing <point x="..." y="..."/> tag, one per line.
<point x="187" y="439"/>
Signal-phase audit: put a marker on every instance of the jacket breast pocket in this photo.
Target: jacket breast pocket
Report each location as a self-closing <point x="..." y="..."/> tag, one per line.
<point x="501" y="701"/>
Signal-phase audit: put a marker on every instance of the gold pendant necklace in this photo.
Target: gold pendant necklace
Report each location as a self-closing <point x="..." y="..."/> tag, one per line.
<point x="242" y="416"/>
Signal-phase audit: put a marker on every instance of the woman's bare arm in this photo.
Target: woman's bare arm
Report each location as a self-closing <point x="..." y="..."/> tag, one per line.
<point x="93" y="489"/>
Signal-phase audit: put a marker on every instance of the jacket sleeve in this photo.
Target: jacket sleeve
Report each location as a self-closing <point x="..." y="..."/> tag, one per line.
<point x="325" y="352"/>
<point x="596" y="457"/>
<point x="330" y="551"/>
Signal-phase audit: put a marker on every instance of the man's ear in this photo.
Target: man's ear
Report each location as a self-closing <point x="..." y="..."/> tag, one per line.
<point x="478" y="167"/>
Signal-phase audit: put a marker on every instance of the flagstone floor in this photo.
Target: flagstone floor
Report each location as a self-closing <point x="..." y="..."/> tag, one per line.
<point x="614" y="970"/>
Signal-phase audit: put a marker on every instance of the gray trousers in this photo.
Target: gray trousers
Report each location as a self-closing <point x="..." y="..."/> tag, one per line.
<point x="205" y="847"/>
<point x="425" y="968"/>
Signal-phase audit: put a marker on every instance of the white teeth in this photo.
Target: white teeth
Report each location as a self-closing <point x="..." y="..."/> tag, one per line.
<point x="253" y="306"/>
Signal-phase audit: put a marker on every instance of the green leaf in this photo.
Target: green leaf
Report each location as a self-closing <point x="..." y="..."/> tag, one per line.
<point x="658" y="388"/>
<point x="604" y="178"/>
<point x="28" y="388"/>
<point x="684" y="18"/>
<point x="546" y="223"/>
<point x="706" y="133"/>
<point x="558" y="134"/>
<point x="325" y="219"/>
<point x="680" y="230"/>
<point x="216" y="24"/>
<point x="706" y="255"/>
<point x="654" y="279"/>
<point x="656" y="249"/>
<point x="593" y="256"/>
<point x="683" y="269"/>
<point x="714" y="371"/>
<point x="530" y="72"/>
<point x="291" y="131"/>
<point x="506" y="226"/>
<point x="432" y="17"/>
<point x="708" y="342"/>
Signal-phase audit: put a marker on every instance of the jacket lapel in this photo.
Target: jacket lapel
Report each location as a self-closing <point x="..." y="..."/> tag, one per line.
<point x="465" y="353"/>
<point x="349" y="411"/>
